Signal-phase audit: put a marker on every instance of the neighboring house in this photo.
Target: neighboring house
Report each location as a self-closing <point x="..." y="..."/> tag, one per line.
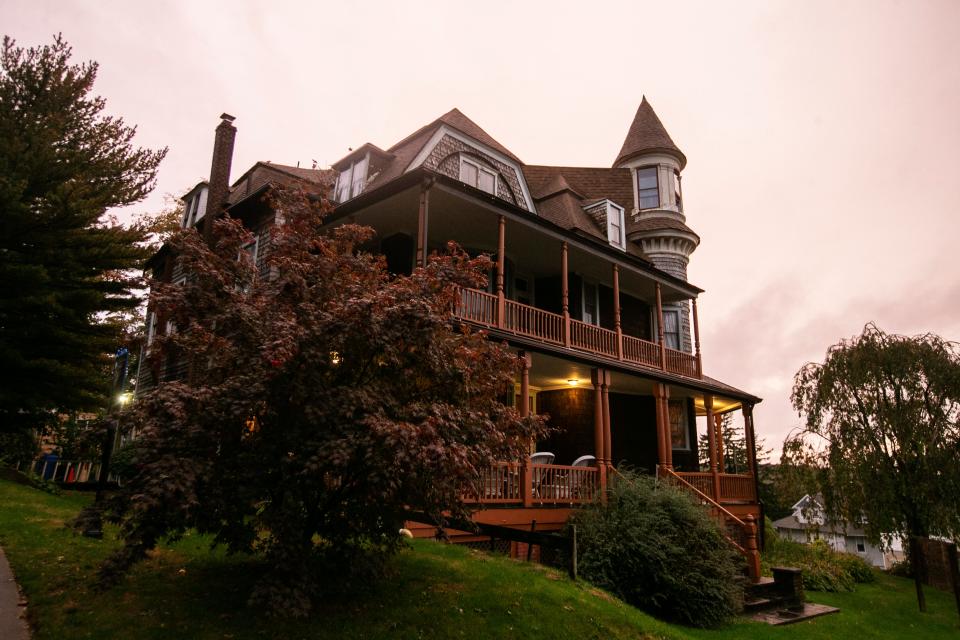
<point x="590" y="289"/>
<point x="808" y="523"/>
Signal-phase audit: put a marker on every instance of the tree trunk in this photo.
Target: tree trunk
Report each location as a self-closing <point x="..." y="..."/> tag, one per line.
<point x="916" y="562"/>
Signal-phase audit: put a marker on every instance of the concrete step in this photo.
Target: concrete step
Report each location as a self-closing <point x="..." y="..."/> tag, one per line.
<point x="758" y="604"/>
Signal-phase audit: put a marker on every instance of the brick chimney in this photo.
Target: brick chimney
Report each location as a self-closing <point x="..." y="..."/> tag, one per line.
<point x="219" y="172"/>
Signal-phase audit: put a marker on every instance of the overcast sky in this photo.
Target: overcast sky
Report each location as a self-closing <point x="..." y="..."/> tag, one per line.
<point x="823" y="138"/>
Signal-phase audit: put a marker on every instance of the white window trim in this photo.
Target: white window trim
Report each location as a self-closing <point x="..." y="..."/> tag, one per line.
<point x="679" y="331"/>
<point x="255" y="243"/>
<point x="350" y="181"/>
<point x="444" y="130"/>
<point x="479" y="167"/>
<point x="151" y="326"/>
<point x="616" y="210"/>
<point x="583" y="301"/>
<point x="171" y="327"/>
<point x="636" y="187"/>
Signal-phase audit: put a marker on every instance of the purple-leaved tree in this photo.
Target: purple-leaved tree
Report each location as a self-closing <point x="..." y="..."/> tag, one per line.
<point x="321" y="402"/>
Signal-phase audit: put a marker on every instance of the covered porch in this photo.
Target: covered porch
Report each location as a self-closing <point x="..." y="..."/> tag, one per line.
<point x="620" y="420"/>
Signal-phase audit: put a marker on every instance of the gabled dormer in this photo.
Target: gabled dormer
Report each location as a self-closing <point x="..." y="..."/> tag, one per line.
<point x="194" y="205"/>
<point x="357" y="169"/>
<point x="609" y="216"/>
<point x="460" y="149"/>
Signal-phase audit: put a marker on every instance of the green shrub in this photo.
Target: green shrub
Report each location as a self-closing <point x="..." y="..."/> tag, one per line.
<point x="823" y="568"/>
<point x="858" y="568"/>
<point x="902" y="569"/>
<point x="655" y="548"/>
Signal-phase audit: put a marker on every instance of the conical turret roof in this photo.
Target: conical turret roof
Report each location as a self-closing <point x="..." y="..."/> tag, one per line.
<point x="647" y="135"/>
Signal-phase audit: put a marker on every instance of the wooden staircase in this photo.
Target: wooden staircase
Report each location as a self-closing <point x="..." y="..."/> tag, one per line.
<point x="742" y="534"/>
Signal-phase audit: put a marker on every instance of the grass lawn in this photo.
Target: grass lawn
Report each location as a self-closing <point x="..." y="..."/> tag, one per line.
<point x="185" y="591"/>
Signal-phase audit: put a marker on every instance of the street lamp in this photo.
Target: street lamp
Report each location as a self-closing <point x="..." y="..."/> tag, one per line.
<point x="94" y="525"/>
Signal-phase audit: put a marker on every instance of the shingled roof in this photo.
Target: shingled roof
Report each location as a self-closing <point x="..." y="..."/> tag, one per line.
<point x="263" y="173"/>
<point x="647" y="134"/>
<point x="402" y="153"/>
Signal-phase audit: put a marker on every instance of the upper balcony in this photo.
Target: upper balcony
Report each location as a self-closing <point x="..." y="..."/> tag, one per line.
<point x="511" y="317"/>
<point x="555" y="287"/>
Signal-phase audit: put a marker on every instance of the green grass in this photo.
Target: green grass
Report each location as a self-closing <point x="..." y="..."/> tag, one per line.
<point x="186" y="591"/>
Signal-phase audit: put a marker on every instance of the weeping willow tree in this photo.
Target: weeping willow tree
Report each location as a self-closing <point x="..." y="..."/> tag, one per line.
<point x="881" y="437"/>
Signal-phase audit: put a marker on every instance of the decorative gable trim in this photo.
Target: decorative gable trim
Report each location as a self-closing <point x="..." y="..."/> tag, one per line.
<point x="513" y="187"/>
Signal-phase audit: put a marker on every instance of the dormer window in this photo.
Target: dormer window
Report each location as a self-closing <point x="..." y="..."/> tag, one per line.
<point x="352" y="179"/>
<point x="648" y="189"/>
<point x="615" y="232"/>
<point x="609" y="216"/>
<point x="193" y="206"/>
<point x="477" y="176"/>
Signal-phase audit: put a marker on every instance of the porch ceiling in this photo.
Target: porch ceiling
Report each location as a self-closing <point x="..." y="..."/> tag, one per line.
<point x="475" y="226"/>
<point x="552" y="372"/>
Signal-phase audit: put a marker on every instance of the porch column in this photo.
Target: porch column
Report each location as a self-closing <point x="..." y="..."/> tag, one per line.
<point x="607" y="440"/>
<point x="667" y="438"/>
<point x="750" y="438"/>
<point x="718" y="428"/>
<point x="596" y="376"/>
<point x="422" y="223"/>
<point x="663" y="345"/>
<point x="712" y="442"/>
<point x="658" y="408"/>
<point x="616" y="311"/>
<point x="501" y="263"/>
<point x="565" y="293"/>
<point x="526" y="477"/>
<point x="696" y="339"/>
<point x="599" y="447"/>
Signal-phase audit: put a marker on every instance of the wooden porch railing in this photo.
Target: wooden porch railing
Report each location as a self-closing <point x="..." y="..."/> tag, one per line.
<point x="641" y="352"/>
<point x="737" y="488"/>
<point x="742" y="534"/>
<point x="560" y="484"/>
<point x="734" y="487"/>
<point x="477" y="306"/>
<point x="549" y="484"/>
<point x="480" y="307"/>
<point x="682" y="363"/>
<point x="530" y="321"/>
<point x="500" y="484"/>
<point x="702" y="482"/>
<point x="590" y="337"/>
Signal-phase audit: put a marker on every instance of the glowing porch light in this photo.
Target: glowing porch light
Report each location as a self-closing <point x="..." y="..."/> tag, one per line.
<point x="573" y="382"/>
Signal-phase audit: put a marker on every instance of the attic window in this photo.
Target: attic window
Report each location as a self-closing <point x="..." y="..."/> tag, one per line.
<point x="610" y="216"/>
<point x="352" y="179"/>
<point x="191" y="211"/>
<point x="476" y="176"/>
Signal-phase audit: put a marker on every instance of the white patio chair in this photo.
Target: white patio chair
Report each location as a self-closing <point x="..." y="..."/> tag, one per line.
<point x="584" y="461"/>
<point x="542" y="457"/>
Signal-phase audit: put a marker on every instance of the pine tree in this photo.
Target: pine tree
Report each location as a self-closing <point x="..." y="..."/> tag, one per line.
<point x="65" y="268"/>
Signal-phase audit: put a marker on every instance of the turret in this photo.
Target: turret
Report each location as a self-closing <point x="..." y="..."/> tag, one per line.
<point x="657" y="222"/>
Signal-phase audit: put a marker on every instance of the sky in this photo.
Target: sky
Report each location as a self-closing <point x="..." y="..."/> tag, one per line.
<point x="823" y="138"/>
